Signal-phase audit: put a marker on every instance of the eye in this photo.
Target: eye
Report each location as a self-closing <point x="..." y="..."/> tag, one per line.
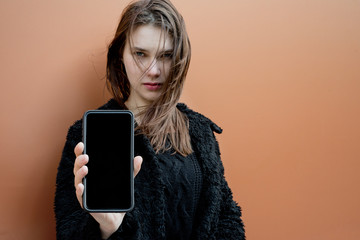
<point x="166" y="55"/>
<point x="139" y="54"/>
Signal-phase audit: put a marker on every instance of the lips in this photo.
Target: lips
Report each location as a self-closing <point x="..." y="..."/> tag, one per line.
<point x="153" y="86"/>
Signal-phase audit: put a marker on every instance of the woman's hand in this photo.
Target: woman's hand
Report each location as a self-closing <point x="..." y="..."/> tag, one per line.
<point x="109" y="222"/>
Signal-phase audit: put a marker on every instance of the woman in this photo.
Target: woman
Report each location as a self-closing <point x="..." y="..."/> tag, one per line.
<point x="181" y="192"/>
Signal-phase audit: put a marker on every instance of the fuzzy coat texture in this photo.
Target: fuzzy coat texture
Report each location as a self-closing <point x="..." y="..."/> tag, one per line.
<point x="217" y="217"/>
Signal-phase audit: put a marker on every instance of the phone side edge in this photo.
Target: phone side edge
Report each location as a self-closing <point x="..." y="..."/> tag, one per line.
<point x="84" y="127"/>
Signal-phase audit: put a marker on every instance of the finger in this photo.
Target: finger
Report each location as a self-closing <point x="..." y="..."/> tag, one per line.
<point x="80" y="161"/>
<point x="80" y="174"/>
<point x="79" y="148"/>
<point x="79" y="192"/>
<point x="137" y="164"/>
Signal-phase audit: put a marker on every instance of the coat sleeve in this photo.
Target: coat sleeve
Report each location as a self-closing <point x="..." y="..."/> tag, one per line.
<point x="72" y="222"/>
<point x="230" y="225"/>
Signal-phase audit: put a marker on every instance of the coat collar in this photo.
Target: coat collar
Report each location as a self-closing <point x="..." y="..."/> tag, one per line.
<point x="112" y="104"/>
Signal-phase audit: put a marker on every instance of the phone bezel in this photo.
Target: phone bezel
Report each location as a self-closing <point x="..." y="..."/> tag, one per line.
<point x="86" y="114"/>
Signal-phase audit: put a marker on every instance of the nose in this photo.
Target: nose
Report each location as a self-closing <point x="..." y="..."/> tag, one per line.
<point x="154" y="69"/>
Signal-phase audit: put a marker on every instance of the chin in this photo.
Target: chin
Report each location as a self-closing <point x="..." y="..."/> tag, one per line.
<point x="151" y="99"/>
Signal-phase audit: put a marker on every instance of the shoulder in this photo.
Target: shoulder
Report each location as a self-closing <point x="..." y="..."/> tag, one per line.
<point x="198" y="120"/>
<point x="112" y="104"/>
<point x="75" y="130"/>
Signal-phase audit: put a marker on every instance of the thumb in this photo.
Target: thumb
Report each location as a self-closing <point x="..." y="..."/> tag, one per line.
<point x="137" y="164"/>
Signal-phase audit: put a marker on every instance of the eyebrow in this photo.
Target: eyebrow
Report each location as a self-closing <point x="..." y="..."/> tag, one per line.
<point x="144" y="50"/>
<point x="140" y="49"/>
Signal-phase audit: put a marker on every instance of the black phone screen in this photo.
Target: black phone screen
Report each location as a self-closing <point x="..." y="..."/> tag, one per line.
<point x="108" y="139"/>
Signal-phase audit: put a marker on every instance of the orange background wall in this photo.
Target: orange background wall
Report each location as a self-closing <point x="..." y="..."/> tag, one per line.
<point x="281" y="77"/>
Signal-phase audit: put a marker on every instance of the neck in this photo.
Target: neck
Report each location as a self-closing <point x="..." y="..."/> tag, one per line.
<point x="135" y="109"/>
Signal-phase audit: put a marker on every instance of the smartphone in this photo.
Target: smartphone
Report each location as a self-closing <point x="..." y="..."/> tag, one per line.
<point x="108" y="138"/>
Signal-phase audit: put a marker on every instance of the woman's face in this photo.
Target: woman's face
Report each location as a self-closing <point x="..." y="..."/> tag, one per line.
<point x="147" y="63"/>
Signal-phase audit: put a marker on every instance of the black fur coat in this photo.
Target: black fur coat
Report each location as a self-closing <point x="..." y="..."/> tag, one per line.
<point x="218" y="216"/>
